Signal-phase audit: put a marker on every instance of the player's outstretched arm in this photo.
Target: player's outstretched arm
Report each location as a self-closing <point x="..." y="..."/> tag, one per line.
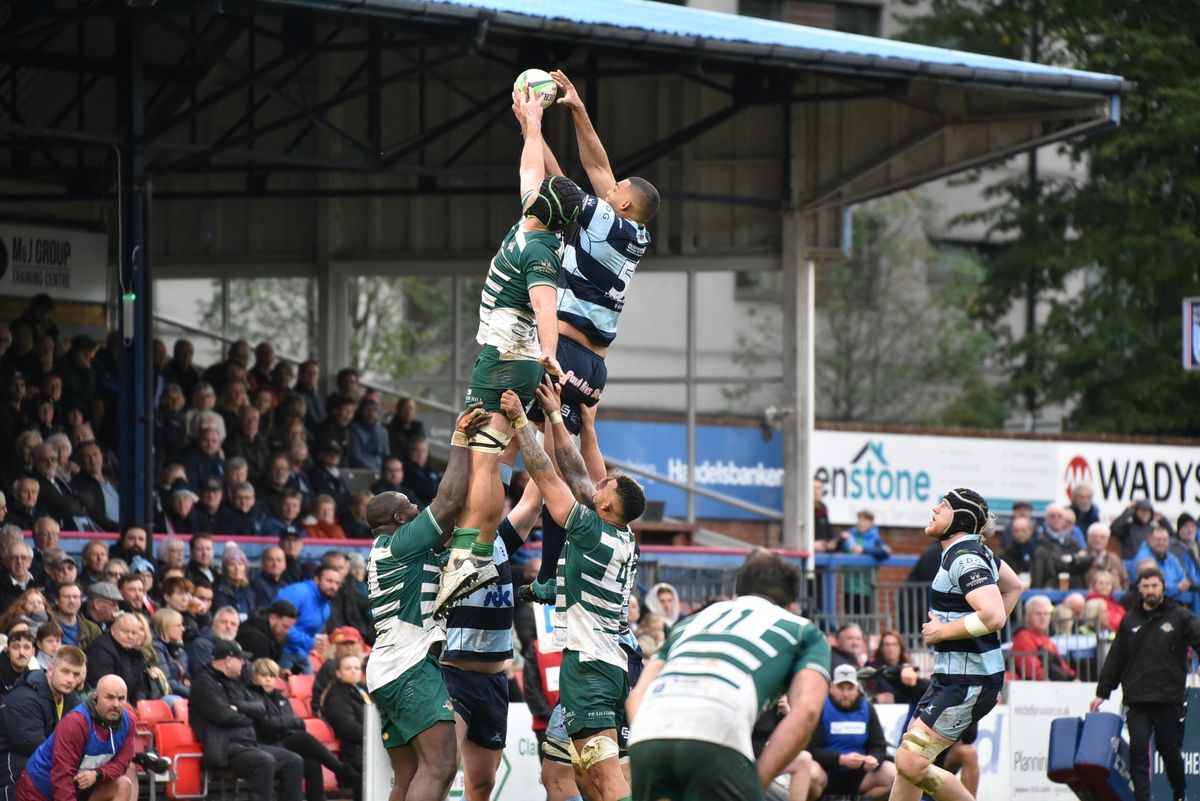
<point x="589" y="445"/>
<point x="550" y="161"/>
<point x="806" y="697"/>
<point x="570" y="463"/>
<point x="591" y="151"/>
<point x="525" y="514"/>
<point x="452" y="492"/>
<point x="544" y="300"/>
<point x="555" y="494"/>
<point x="528" y="110"/>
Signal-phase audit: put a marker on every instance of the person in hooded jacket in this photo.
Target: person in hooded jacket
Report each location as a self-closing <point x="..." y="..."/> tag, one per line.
<point x="33" y="708"/>
<point x="343" y="705"/>
<point x="278" y="725"/>
<point x="663" y="600"/>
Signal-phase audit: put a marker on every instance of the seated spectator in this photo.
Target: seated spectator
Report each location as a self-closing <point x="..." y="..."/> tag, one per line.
<point x="325" y="524"/>
<point x="349" y="607"/>
<point x="342" y="706"/>
<point x="167" y="626"/>
<point x="46" y="535"/>
<point x="103" y="604"/>
<point x="849" y="647"/>
<point x="181" y="515"/>
<point x="1158" y="547"/>
<point x="277" y="483"/>
<point x="56" y="495"/>
<point x="75" y="368"/>
<point x="336" y="426"/>
<point x="134" y="541"/>
<point x="94" y="557"/>
<point x="232" y="398"/>
<point x="18" y="578"/>
<point x="115" y="569"/>
<point x="222" y="715"/>
<point x="77" y="630"/>
<point x="1035" y="656"/>
<point x="288" y="519"/>
<point x="419" y="474"/>
<point x="1185" y="547"/>
<point x="1058" y="550"/>
<point x="297" y="453"/>
<point x="1135" y="524"/>
<point x="133" y="594"/>
<point x="203" y="412"/>
<point x="1099" y="557"/>
<point x="210" y="511"/>
<point x="1021" y="547"/>
<point x="326" y="478"/>
<point x="1102" y="589"/>
<point x="245" y="517"/>
<point x="202" y="459"/>
<point x="224" y="628"/>
<point x="201" y="564"/>
<point x="354" y="522"/>
<point x="897" y="681"/>
<point x="248" y="442"/>
<point x="33" y="708"/>
<point x="95" y="491"/>
<point x="180" y="370"/>
<point x="47" y="643"/>
<point x="391" y="479"/>
<point x="91" y="749"/>
<point x="233" y="586"/>
<point x="312" y="600"/>
<point x="849" y="750"/>
<point x="44" y="410"/>
<point x="279" y="381"/>
<point x="403" y="428"/>
<point x="21" y="466"/>
<point x="368" y="439"/>
<point x="278" y="725"/>
<point x="269" y="580"/>
<point x="172" y="552"/>
<point x="118" y="651"/>
<point x="170" y="425"/>
<point x="343" y="641"/>
<point x="264" y="633"/>
<point x="177" y="595"/>
<point x="357" y="577"/>
<point x="1086" y="512"/>
<point x="25" y="508"/>
<point x="307" y="377"/>
<point x="15" y="659"/>
<point x="347" y="386"/>
<point x="30" y="607"/>
<point x="291" y="542"/>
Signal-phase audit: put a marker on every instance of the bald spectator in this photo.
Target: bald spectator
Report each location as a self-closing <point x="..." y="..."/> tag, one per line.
<point x="96" y="491"/>
<point x="180" y="370"/>
<point x="19" y="576"/>
<point x="202" y="459"/>
<point x="247" y="441"/>
<point x="367" y="438"/>
<point x="119" y="651"/>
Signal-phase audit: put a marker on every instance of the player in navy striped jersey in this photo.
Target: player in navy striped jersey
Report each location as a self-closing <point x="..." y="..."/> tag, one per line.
<point x="972" y="595"/>
<point x="598" y="267"/>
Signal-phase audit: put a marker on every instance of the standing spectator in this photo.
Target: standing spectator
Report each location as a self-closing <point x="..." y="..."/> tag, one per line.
<point x="419" y="474"/>
<point x="311" y="599"/>
<point x="264" y="361"/>
<point x="336" y="427"/>
<point x="404" y="426"/>
<point x="78" y="377"/>
<point x="849" y="750"/>
<point x="1158" y="547"/>
<point x="13" y="419"/>
<point x="307" y="378"/>
<point x="222" y="709"/>
<point x="200" y="566"/>
<point x="167" y="625"/>
<point x="119" y="652"/>
<point x="858" y="586"/>
<point x="1082" y="504"/>
<point x="1149" y="660"/>
<point x="342" y="705"/>
<point x="96" y="492"/>
<point x="368" y="439"/>
<point x="1035" y="656"/>
<point x="824" y="538"/>
<point x="326" y="525"/>
<point x="1134" y="525"/>
<point x="269" y="581"/>
<point x="347" y="386"/>
<point x="77" y="630"/>
<point x="90" y="749"/>
<point x="248" y="442"/>
<point x="326" y="478"/>
<point x="180" y="370"/>
<point x="1185" y="547"/>
<point x="263" y="635"/>
<point x="1099" y="557"/>
<point x="202" y="459"/>
<point x="15" y="658"/>
<point x="233" y="587"/>
<point x="32" y="710"/>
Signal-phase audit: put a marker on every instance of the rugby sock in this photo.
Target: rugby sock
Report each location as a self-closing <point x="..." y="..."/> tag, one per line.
<point x="506" y="473"/>
<point x="553" y="538"/>
<point x="483" y="549"/>
<point x="625" y="798"/>
<point x="464" y="538"/>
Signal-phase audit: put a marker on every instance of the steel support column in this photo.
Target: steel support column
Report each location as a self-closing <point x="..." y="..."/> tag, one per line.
<point x="691" y="393"/>
<point x="799" y="317"/>
<point x="133" y="264"/>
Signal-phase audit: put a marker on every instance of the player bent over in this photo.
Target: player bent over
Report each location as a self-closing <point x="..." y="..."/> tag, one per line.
<point x="519" y="334"/>
<point x="403" y="676"/>
<point x="595" y="576"/>
<point x="972" y="595"/>
<point x="695" y="706"/>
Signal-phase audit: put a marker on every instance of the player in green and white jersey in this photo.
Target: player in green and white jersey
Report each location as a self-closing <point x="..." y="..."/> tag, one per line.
<point x="595" y="576"/>
<point x="403" y="676"/>
<point x="697" y="700"/>
<point x="518" y="329"/>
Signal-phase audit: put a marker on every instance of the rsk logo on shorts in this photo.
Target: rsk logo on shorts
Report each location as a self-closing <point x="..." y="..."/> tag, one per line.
<point x="498" y="598"/>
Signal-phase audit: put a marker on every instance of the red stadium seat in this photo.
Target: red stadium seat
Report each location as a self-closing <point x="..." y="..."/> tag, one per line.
<point x="181" y="710"/>
<point x="322" y="731"/>
<point x="281" y="685"/>
<point x="187" y="777"/>
<point x="151" y="712"/>
<point x="300" y="686"/>
<point x="302" y="707"/>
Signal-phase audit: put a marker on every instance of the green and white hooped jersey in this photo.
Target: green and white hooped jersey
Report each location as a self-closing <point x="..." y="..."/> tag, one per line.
<point x="596" y="573"/>
<point x="726" y="665"/>
<point x="402" y="584"/>
<point x="506" y="319"/>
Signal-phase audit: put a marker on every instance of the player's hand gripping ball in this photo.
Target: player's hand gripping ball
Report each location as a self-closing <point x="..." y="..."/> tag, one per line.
<point x="539" y="83"/>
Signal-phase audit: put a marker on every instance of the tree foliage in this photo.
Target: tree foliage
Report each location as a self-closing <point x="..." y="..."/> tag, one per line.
<point x="1129" y="219"/>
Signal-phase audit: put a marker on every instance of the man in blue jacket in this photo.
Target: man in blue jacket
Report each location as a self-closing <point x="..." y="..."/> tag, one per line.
<point x="1158" y="547"/>
<point x="311" y="599"/>
<point x="30" y="712"/>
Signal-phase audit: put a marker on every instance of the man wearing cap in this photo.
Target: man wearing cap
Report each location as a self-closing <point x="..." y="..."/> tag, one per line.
<point x="222" y="715"/>
<point x="181" y="515"/>
<point x="346" y="641"/>
<point x="972" y="596"/>
<point x="848" y="747"/>
<point x="266" y="630"/>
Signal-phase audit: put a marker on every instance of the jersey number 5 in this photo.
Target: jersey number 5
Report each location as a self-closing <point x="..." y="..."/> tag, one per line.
<point x="617" y="293"/>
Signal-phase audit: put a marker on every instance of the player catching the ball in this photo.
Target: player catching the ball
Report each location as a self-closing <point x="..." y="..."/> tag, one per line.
<point x="598" y="267"/>
<point x="519" y="333"/>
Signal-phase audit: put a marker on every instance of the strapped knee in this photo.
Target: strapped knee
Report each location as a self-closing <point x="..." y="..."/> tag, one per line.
<point x="933" y="779"/>
<point x="596" y="750"/>
<point x="489" y="440"/>
<point x="923" y="744"/>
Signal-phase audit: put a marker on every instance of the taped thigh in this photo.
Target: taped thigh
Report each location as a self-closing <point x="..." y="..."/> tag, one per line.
<point x="933" y="779"/>
<point x="598" y="749"/>
<point x="923" y="743"/>
<point x="489" y="440"/>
